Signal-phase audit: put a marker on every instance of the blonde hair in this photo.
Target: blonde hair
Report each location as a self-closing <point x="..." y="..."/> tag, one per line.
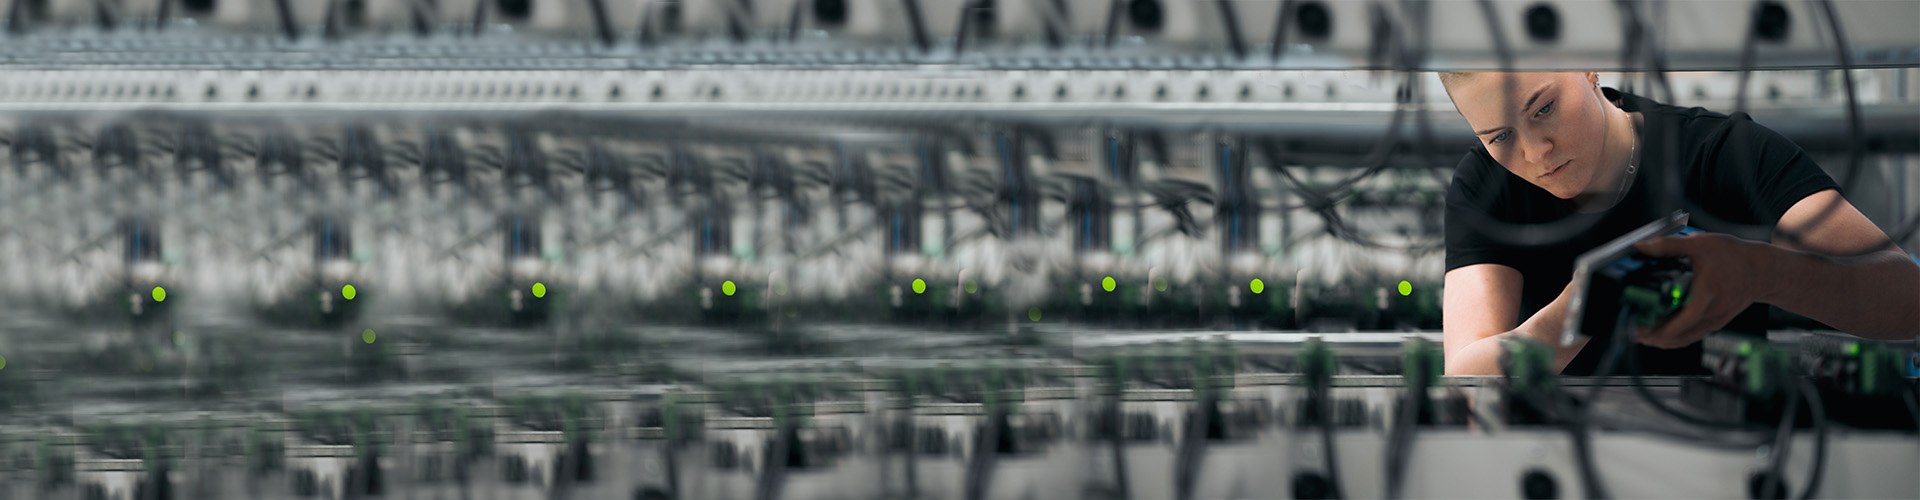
<point x="1448" y="78"/>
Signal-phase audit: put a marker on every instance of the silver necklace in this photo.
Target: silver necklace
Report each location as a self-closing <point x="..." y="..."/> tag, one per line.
<point x="1633" y="156"/>
<point x="1633" y="167"/>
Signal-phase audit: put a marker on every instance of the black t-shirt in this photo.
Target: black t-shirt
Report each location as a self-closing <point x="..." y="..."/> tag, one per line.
<point x="1735" y="176"/>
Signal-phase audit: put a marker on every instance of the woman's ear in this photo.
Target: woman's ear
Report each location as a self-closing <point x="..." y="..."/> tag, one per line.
<point x="1593" y="78"/>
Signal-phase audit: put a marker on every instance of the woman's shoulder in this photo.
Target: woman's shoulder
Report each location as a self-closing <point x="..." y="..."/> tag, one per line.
<point x="1478" y="181"/>
<point x="1475" y="164"/>
<point x="1693" y="118"/>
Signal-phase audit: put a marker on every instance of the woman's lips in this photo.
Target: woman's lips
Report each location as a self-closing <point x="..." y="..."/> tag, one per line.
<point x="1556" y="169"/>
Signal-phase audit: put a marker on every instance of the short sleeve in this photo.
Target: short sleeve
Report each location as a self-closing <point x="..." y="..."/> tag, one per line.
<point x="1473" y="194"/>
<point x="1768" y="170"/>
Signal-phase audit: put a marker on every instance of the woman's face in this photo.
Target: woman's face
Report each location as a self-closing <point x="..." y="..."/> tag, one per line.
<point x="1550" y="129"/>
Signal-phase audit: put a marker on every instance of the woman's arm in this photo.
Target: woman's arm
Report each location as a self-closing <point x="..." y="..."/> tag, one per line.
<point x="1830" y="275"/>
<point x="1480" y="306"/>
<point x="1839" y="269"/>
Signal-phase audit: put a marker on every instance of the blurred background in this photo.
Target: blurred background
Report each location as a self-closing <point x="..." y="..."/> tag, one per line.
<point x="836" y="249"/>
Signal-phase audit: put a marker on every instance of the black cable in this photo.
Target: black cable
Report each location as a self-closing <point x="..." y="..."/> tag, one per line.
<point x="1913" y="407"/>
<point x="978" y="475"/>
<point x="1192" y="453"/>
<point x="1576" y="423"/>
<point x="1118" y="442"/>
<point x="479" y="16"/>
<point x="330" y="25"/>
<point x="1400" y="441"/>
<point x="1578" y="413"/>
<point x="1623" y="348"/>
<point x="16" y="16"/>
<point x="917" y="25"/>
<point x="794" y="19"/>
<point x="1053" y="13"/>
<point x="161" y="16"/>
<point x="1748" y="48"/>
<point x="966" y="27"/>
<point x="1230" y="25"/>
<point x="602" y="27"/>
<point x="1329" y="456"/>
<point x="1782" y="443"/>
<point x="1820" y="424"/>
<point x="737" y="20"/>
<point x="648" y="16"/>
<point x="1641" y="389"/>
<point x="105" y="13"/>
<point x="1279" y="38"/>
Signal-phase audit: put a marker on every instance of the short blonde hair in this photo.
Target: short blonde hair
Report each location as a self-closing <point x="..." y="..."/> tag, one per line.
<point x="1448" y="78"/>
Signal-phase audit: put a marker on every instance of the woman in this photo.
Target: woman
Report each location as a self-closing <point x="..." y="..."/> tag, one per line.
<point x="1560" y="152"/>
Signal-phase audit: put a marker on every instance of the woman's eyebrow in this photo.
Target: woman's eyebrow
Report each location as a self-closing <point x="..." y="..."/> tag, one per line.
<point x="1523" y="108"/>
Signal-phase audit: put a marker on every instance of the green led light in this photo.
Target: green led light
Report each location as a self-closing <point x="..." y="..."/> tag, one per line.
<point x="540" y="290"/>
<point x="1676" y="297"/>
<point x="1159" y="285"/>
<point x="1107" y="283"/>
<point x="1853" y="348"/>
<point x="1033" y="314"/>
<point x="1746" y="348"/>
<point x="727" y="288"/>
<point x="347" y="292"/>
<point x="919" y="286"/>
<point x="1257" y="286"/>
<point x="367" y="336"/>
<point x="1405" y="288"/>
<point x="159" y="294"/>
<point x="972" y="287"/>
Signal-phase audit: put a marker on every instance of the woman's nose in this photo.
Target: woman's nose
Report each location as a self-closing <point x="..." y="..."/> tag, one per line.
<point x="1537" y="148"/>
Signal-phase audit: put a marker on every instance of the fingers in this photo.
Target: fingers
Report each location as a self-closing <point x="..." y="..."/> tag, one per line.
<point x="1703" y="315"/>
<point x="1684" y="327"/>
<point x="1666" y="246"/>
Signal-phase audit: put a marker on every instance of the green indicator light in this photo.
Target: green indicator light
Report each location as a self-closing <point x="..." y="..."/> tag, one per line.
<point x="1107" y="283"/>
<point x="3" y="362"/>
<point x="919" y="286"/>
<point x="159" y="294"/>
<point x="1405" y="288"/>
<point x="727" y="288"/>
<point x="1746" y="348"/>
<point x="1853" y="349"/>
<point x="1257" y="286"/>
<point x="972" y="287"/>
<point x="1033" y="314"/>
<point x="367" y="336"/>
<point x="1160" y="285"/>
<point x="1676" y="297"/>
<point x="540" y="290"/>
<point x="347" y="292"/>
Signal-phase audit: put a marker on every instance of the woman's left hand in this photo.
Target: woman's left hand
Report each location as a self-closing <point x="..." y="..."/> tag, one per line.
<point x="1727" y="277"/>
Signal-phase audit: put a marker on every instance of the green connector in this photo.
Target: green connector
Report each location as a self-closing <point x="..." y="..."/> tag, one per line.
<point x="1879" y="370"/>
<point x="1419" y="357"/>
<point x="1651" y="304"/>
<point x="1766" y="366"/>
<point x="1317" y="364"/>
<point x="1527" y="363"/>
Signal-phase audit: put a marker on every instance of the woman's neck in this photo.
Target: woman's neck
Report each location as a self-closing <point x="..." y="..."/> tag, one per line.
<point x="1622" y="152"/>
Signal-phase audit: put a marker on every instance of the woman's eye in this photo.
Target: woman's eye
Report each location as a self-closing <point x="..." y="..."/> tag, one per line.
<point x="1499" y="138"/>
<point x="1544" y="110"/>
